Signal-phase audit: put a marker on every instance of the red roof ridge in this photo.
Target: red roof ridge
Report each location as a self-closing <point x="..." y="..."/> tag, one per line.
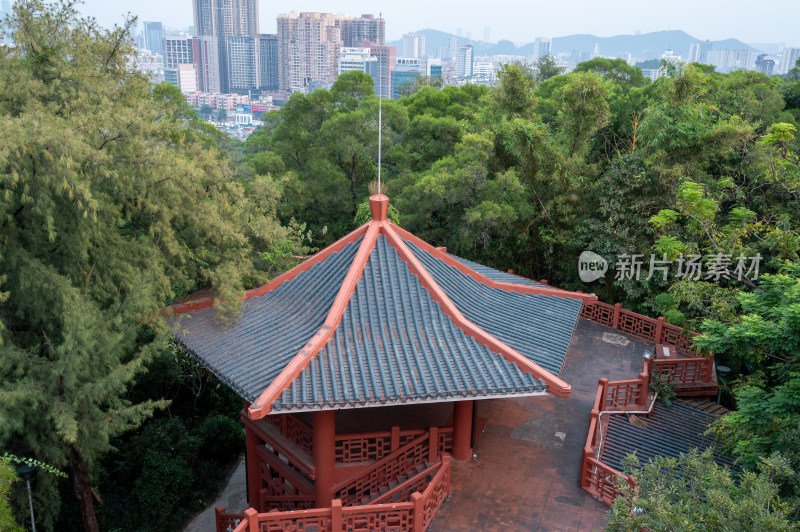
<point x="555" y="385"/>
<point x="263" y="404"/>
<point x="512" y="287"/>
<point x="180" y="308"/>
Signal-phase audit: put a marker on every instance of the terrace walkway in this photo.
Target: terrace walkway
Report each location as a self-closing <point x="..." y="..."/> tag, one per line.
<point x="525" y="475"/>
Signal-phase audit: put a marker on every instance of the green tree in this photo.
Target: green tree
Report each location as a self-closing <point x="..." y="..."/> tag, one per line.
<point x="695" y="493"/>
<point x="7" y="479"/>
<point x="115" y="201"/>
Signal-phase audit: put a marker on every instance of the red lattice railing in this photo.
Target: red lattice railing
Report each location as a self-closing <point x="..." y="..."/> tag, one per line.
<point x="685" y="370"/>
<point x="638" y="326"/>
<point x="293" y="429"/>
<point x="600" y="480"/>
<point x="285" y="503"/>
<point x="413" y="516"/>
<point x="652" y="330"/>
<point x="367" y="482"/>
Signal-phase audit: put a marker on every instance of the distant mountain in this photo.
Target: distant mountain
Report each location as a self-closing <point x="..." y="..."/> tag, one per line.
<point x="646" y="45"/>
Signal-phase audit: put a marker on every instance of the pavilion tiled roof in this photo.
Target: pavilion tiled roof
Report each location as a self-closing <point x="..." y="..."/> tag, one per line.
<point x="381" y="317"/>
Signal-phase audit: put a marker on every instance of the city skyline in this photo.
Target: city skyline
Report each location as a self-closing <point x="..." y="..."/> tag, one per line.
<point x="734" y="19"/>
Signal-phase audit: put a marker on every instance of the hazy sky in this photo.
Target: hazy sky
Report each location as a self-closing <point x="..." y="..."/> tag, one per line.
<point x="520" y="21"/>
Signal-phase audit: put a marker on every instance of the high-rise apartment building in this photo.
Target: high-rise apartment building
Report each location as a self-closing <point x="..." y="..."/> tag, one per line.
<point x="730" y="60"/>
<point x="153" y="33"/>
<point x="542" y="47"/>
<point x="253" y="63"/>
<point x="789" y="59"/>
<point x="380" y="69"/>
<point x="698" y="52"/>
<point x="765" y="64"/>
<point x="464" y="61"/>
<point x="208" y="70"/>
<point x="221" y="20"/>
<point x="309" y="44"/>
<point x="268" y="61"/>
<point x="363" y="31"/>
<point x="413" y="45"/>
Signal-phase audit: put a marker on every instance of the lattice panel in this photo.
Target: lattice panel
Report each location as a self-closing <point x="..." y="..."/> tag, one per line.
<point x="676" y="336"/>
<point x="637" y="325"/>
<point x="285" y="503"/>
<point x="361" y="449"/>
<point x="602" y="481"/>
<point x="624" y="394"/>
<point x="599" y="312"/>
<point x="435" y="495"/>
<point x="446" y="440"/>
<point x="379" y="521"/>
<point x="297" y="524"/>
<point x="292" y="428"/>
<point x="686" y="371"/>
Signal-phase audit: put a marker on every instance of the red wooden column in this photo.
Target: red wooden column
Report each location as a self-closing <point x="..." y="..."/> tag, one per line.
<point x="462" y="429"/>
<point x="252" y="442"/>
<point x="323" y="448"/>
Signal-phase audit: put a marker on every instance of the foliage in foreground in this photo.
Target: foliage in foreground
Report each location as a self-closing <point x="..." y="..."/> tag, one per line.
<point x="693" y="492"/>
<point x="114" y="200"/>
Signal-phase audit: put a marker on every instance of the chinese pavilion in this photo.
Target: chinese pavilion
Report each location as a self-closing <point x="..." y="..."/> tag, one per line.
<point x="379" y="318"/>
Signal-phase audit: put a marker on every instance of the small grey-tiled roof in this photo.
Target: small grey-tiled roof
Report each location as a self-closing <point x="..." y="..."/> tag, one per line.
<point x="375" y="319"/>
<point x="395" y="345"/>
<point x="670" y="432"/>
<point x="270" y="330"/>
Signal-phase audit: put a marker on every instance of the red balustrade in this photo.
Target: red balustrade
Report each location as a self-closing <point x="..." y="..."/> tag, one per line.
<point x="638" y="325"/>
<point x="413" y="516"/>
<point x="367" y="482"/>
<point x="600" y="480"/>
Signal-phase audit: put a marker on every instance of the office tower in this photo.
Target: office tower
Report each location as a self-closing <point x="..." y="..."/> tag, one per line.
<point x="789" y="59"/>
<point x="153" y="37"/>
<point x="765" y="64"/>
<point x="268" y="61"/>
<point x="542" y="47"/>
<point x="180" y="49"/>
<point x="413" y="45"/>
<point x="380" y="69"/>
<point x="464" y="61"/>
<point x="221" y="20"/>
<point x="351" y="59"/>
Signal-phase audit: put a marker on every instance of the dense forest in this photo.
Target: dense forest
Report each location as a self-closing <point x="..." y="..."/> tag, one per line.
<point x="117" y="200"/>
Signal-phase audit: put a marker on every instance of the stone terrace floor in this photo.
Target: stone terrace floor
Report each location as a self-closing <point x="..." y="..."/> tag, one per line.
<point x="526" y="468"/>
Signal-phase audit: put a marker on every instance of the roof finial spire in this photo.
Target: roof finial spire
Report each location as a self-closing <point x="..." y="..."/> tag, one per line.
<point x="380" y="99"/>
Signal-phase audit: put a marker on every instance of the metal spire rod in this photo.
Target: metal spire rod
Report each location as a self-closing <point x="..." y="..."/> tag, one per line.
<point x="380" y="99"/>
